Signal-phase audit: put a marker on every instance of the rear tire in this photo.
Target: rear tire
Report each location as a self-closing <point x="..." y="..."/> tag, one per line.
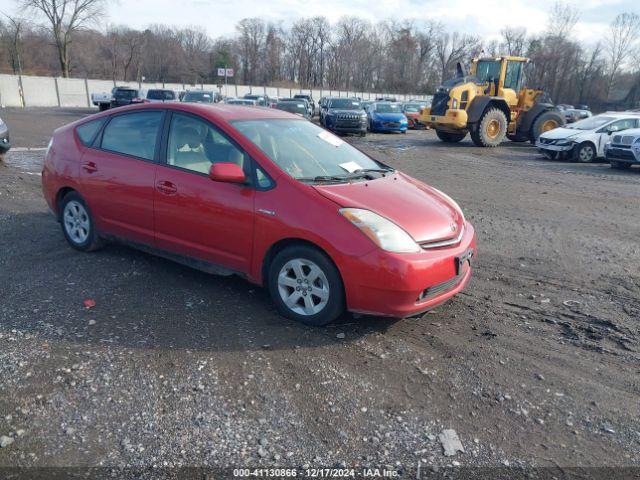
<point x="491" y="130"/>
<point x="620" y="165"/>
<point x="77" y="223"/>
<point x="449" y="137"/>
<point x="306" y="286"/>
<point x="544" y="122"/>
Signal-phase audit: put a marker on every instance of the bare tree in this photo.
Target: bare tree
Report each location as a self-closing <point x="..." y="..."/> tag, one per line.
<point x="65" y="17"/>
<point x="623" y="36"/>
<point x="11" y="36"/>
<point x="513" y="40"/>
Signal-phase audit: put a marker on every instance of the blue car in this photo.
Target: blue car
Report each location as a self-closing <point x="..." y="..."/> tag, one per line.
<point x="386" y="117"/>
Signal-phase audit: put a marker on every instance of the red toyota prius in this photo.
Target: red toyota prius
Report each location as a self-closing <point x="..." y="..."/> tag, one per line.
<point x="264" y="194"/>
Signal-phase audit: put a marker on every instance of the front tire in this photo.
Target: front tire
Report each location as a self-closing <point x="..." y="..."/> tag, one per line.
<point x="306" y="286"/>
<point x="77" y="223"/>
<point x="585" y="153"/>
<point x="620" y="165"/>
<point x="491" y="129"/>
<point x="449" y="137"/>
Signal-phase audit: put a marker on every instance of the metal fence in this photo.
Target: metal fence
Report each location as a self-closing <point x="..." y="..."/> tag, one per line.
<point x="32" y="91"/>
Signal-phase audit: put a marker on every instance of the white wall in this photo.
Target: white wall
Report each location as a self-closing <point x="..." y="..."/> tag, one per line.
<point x="76" y="92"/>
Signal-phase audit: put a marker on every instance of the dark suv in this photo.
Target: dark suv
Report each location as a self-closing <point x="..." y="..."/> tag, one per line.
<point x="126" y="96"/>
<point x="345" y="115"/>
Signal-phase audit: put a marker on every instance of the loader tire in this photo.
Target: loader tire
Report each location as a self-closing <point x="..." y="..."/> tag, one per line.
<point x="491" y="130"/>
<point x="449" y="137"/>
<point x="544" y="122"/>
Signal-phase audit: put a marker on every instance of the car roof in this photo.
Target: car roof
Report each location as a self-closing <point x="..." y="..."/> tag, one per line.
<point x="216" y="112"/>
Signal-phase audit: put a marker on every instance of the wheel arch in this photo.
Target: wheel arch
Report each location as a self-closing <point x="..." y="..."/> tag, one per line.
<point x="480" y="105"/>
<point x="283" y="243"/>
<point x="60" y="194"/>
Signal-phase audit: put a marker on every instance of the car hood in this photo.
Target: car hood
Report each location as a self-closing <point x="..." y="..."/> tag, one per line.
<point x="560" y="133"/>
<point x="389" y="117"/>
<point x="415" y="207"/>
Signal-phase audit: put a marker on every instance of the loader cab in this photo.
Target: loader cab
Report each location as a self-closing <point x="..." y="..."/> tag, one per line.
<point x="503" y="76"/>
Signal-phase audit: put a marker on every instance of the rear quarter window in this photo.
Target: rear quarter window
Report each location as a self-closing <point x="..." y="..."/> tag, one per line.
<point x="87" y="131"/>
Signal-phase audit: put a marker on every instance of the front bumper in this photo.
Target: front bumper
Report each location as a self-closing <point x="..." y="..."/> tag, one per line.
<point x="388" y="127"/>
<point x="554" y="148"/>
<point x="5" y="144"/>
<point x="624" y="155"/>
<point x="452" y="119"/>
<point x="403" y="285"/>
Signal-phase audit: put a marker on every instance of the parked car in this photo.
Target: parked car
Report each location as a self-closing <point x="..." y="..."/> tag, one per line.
<point x="386" y="117"/>
<point x="261" y="100"/>
<point x="564" y="106"/>
<point x="160" y="95"/>
<point x="573" y="114"/>
<point x="413" y="112"/>
<point x="263" y="194"/>
<point x="309" y="99"/>
<point x="241" y="101"/>
<point x="103" y="100"/>
<point x="298" y="107"/>
<point x="583" y="107"/>
<point x="584" y="140"/>
<point x="5" y="143"/>
<point x="345" y="115"/>
<point x="126" y="96"/>
<point x="386" y="99"/>
<point x="623" y="150"/>
<point x="200" y="96"/>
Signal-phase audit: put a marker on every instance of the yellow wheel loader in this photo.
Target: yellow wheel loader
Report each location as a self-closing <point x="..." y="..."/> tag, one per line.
<point x="491" y="103"/>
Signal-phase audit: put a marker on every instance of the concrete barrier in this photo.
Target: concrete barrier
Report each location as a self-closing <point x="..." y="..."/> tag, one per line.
<point x="10" y="91"/>
<point x="40" y="92"/>
<point x="32" y="91"/>
<point x="72" y="92"/>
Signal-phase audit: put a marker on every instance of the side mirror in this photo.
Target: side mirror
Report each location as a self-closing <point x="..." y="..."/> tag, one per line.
<point x="227" y="172"/>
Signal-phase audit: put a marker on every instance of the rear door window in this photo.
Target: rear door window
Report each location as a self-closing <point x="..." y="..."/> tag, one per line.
<point x="134" y="134"/>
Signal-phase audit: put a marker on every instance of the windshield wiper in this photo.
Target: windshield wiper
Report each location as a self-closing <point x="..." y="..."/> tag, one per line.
<point x="373" y="170"/>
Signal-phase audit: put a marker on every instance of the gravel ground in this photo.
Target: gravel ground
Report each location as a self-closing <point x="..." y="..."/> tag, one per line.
<point x="536" y="364"/>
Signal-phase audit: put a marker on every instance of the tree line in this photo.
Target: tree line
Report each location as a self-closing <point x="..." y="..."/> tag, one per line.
<point x="68" y="38"/>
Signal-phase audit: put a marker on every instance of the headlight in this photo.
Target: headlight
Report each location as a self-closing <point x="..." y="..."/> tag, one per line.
<point x="454" y="103"/>
<point x="384" y="233"/>
<point x="564" y="143"/>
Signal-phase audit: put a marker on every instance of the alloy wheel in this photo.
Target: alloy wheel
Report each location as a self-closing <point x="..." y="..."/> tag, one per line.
<point x="303" y="286"/>
<point x="76" y="222"/>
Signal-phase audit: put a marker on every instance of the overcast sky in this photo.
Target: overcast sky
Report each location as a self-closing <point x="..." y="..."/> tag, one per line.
<point x="483" y="17"/>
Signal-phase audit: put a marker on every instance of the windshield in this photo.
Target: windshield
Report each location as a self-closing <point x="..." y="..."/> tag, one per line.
<point x="204" y="97"/>
<point x="292" y="107"/>
<point x="412" y="107"/>
<point x="126" y="93"/>
<point x="488" y="70"/>
<point x="591" y="123"/>
<point x="160" y="95"/>
<point x="304" y="150"/>
<point x="345" y="104"/>
<point x="387" y="108"/>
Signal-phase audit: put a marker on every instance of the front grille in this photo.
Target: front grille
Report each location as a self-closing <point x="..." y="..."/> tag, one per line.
<point x="620" y="153"/>
<point x="443" y="287"/>
<point x="391" y="124"/>
<point x="440" y="103"/>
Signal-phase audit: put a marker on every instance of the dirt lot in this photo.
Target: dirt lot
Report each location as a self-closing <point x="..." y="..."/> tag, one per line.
<point x="537" y="363"/>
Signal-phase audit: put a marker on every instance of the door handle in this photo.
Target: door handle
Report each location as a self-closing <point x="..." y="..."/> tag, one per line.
<point x="166" y="187"/>
<point x="90" y="167"/>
